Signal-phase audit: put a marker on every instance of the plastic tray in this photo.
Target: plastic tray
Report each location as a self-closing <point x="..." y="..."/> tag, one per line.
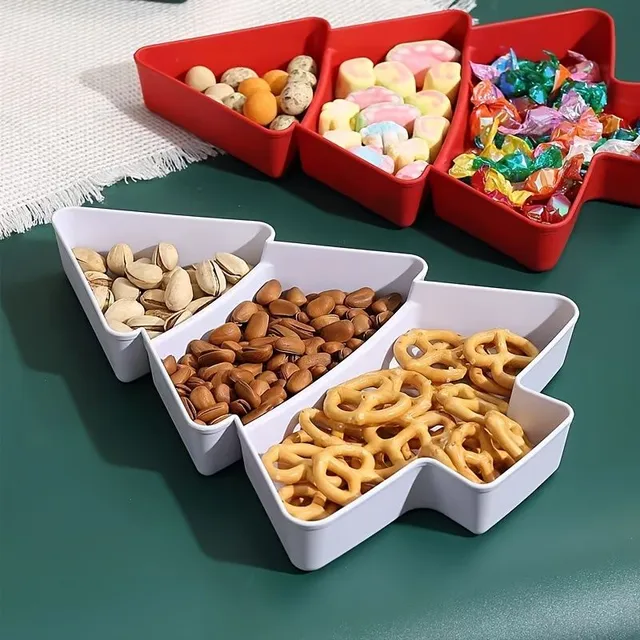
<point x="535" y="245"/>
<point x="547" y="319"/>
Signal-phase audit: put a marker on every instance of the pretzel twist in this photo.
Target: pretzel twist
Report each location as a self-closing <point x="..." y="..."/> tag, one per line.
<point x="316" y="508"/>
<point x="468" y="404"/>
<point x="465" y="460"/>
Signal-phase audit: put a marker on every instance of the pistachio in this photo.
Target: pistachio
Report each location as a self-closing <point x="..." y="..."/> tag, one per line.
<point x="122" y="310"/>
<point x="233" y="267"/>
<point x="119" y="256"/>
<point x="153" y="299"/>
<point x="210" y="278"/>
<point x="153" y="334"/>
<point x="176" y="318"/>
<point x="123" y="289"/>
<point x="144" y="276"/>
<point x="104" y="297"/>
<point x="98" y="279"/>
<point x="166" y="276"/>
<point x="198" y="292"/>
<point x="195" y="305"/>
<point x="145" y="260"/>
<point x="118" y="326"/>
<point x="89" y="260"/>
<point x="268" y="292"/>
<point x="146" y="322"/>
<point x="178" y="293"/>
<point x="165" y="256"/>
<point x="165" y="314"/>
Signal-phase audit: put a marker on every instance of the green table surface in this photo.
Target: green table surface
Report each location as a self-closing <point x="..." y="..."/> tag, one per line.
<point x="108" y="532"/>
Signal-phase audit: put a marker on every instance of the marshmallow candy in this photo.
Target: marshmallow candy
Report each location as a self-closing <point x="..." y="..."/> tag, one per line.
<point x="444" y="77"/>
<point x="395" y="76"/>
<point x="432" y="129"/>
<point x="431" y="103"/>
<point x="374" y="157"/>
<point x="374" y="95"/>
<point x="402" y="114"/>
<point x="421" y="56"/>
<point x="354" y="75"/>
<point x="337" y="115"/>
<point x="408" y="151"/>
<point x="343" y="138"/>
<point x="383" y="134"/>
<point x="412" y="170"/>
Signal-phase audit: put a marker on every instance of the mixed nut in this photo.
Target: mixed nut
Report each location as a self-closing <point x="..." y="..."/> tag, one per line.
<point x="155" y="294"/>
<point x="274" y="100"/>
<point x="274" y="347"/>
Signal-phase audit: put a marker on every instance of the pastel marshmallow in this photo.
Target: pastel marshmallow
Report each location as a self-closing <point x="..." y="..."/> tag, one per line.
<point x="337" y="115"/>
<point x="383" y="134"/>
<point x="402" y="114"/>
<point x="412" y="170"/>
<point x="395" y="76"/>
<point x="409" y="151"/>
<point x="444" y="77"/>
<point x="422" y="55"/>
<point x="432" y="129"/>
<point x="354" y="75"/>
<point x="374" y="95"/>
<point x="343" y="138"/>
<point x="431" y="103"/>
<point x="374" y="157"/>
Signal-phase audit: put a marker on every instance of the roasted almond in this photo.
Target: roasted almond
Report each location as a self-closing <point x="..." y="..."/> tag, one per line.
<point x="293" y="346"/>
<point x="317" y="371"/>
<point x="287" y="370"/>
<point x="222" y="377"/>
<point x="222" y="393"/>
<point x="189" y="408"/>
<point x="322" y="359"/>
<point x="211" y="414"/>
<point x="244" y="311"/>
<point x="254" y="368"/>
<point x="331" y="347"/>
<point x="378" y="306"/>
<point x="340" y="310"/>
<point x="283" y="308"/>
<point x="383" y="317"/>
<point x="311" y="345"/>
<point x="207" y="373"/>
<point x="337" y="295"/>
<point x="267" y="376"/>
<point x="257" y="326"/>
<point x="230" y="344"/>
<point x="321" y="306"/>
<point x="198" y="347"/>
<point x="276" y="362"/>
<point x="259" y="386"/>
<point x="260" y="342"/>
<point x="226" y="331"/>
<point x="361" y="298"/>
<point x="323" y="321"/>
<point x="280" y="382"/>
<point x="296" y="296"/>
<point x="190" y="360"/>
<point x="352" y="313"/>
<point x="170" y="364"/>
<point x="216" y="357"/>
<point x="240" y="407"/>
<point x="340" y="331"/>
<point x="299" y="381"/>
<point x="361" y="323"/>
<point x="276" y="394"/>
<point x="268" y="292"/>
<point x="240" y="375"/>
<point x="245" y="392"/>
<point x="182" y="374"/>
<point x="202" y="398"/>
<point x="256" y="354"/>
<point x="354" y="343"/>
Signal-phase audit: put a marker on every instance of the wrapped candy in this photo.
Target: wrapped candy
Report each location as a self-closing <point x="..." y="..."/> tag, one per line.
<point x="555" y="210"/>
<point x="489" y="181"/>
<point x="619" y="147"/>
<point x="588" y="127"/>
<point x="485" y="92"/>
<point x="610" y="123"/>
<point x="543" y="182"/>
<point x="582" y="70"/>
<point x="593" y="93"/>
<point x="537" y="122"/>
<point x="625" y="134"/>
<point x="484" y="115"/>
<point x="492" y="72"/>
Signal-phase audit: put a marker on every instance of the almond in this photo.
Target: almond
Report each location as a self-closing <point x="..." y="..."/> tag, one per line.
<point x="268" y="292"/>
<point x="321" y="306"/>
<point x="257" y="326"/>
<point x="227" y="331"/>
<point x="361" y="298"/>
<point x="340" y="331"/>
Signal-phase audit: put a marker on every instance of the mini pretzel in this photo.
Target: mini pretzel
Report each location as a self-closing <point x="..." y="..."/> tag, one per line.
<point x="291" y="463"/>
<point x="480" y="380"/>
<point x="422" y="385"/>
<point x="438" y="348"/>
<point x="376" y="397"/>
<point x="468" y="404"/>
<point x="466" y="461"/>
<point x="323" y="431"/>
<point x="328" y="459"/>
<point x="507" y="433"/>
<point x="298" y="437"/>
<point x="317" y="508"/>
<point x="476" y="351"/>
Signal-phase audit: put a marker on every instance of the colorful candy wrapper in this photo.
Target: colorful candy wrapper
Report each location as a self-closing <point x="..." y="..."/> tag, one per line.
<point x="555" y="210"/>
<point x="572" y="169"/>
<point x="537" y="122"/>
<point x="593" y="93"/>
<point x="572" y="106"/>
<point x="511" y="144"/>
<point x="580" y="147"/>
<point x="587" y="127"/>
<point x="485" y="92"/>
<point x="489" y="181"/>
<point x="625" y="134"/>
<point x="484" y="115"/>
<point x="610" y="123"/>
<point x="551" y="157"/>
<point x="463" y="166"/>
<point x="543" y="146"/>
<point x="619" y="147"/>
<point x="492" y="72"/>
<point x="543" y="182"/>
<point x="581" y="69"/>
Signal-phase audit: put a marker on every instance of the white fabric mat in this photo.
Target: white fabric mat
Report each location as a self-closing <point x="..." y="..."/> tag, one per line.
<point x="71" y="116"/>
